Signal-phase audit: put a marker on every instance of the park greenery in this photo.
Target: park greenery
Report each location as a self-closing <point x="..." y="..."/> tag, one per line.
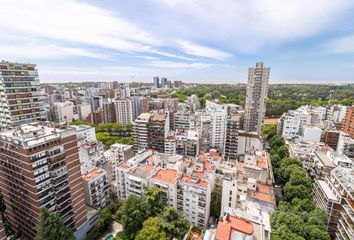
<point x="110" y="133"/>
<point x="281" y="97"/>
<point x="297" y="216"/>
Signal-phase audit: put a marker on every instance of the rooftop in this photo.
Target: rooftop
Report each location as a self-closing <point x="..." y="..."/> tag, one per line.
<point x="263" y="193"/>
<point x="166" y="175"/>
<point x="197" y="181"/>
<point x="231" y="225"/>
<point x="94" y="174"/>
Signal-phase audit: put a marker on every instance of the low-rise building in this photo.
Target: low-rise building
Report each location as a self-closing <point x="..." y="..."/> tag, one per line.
<point x="96" y="188"/>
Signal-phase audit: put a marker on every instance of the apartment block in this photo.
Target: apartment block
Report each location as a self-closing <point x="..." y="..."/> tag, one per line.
<point x="348" y="122"/>
<point x="21" y="100"/>
<point x="96" y="188"/>
<point x="257" y="89"/>
<point x="231" y="137"/>
<point x="91" y="155"/>
<point x="40" y="167"/>
<point x="141" y="132"/>
<point x="124" y="111"/>
<point x="185" y="184"/>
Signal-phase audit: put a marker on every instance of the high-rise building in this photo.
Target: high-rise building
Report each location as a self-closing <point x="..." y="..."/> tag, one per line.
<point x="124" y="91"/>
<point x="109" y="110"/>
<point x="231" y="137"/>
<point x="257" y="88"/>
<point x="151" y="130"/>
<point x="124" y="110"/>
<point x="158" y="128"/>
<point x="20" y="94"/>
<point x="140" y="132"/>
<point x="348" y="122"/>
<point x="156" y="82"/>
<point x="163" y="82"/>
<point x="40" y="167"/>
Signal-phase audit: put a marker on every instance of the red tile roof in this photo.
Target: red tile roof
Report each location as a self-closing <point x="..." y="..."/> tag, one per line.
<point x="199" y="182"/>
<point x="225" y="228"/>
<point x="166" y="175"/>
<point x="93" y="174"/>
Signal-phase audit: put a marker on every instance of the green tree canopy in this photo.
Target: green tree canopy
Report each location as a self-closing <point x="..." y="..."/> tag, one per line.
<point x="173" y="223"/>
<point x="134" y="213"/>
<point x="51" y="227"/>
<point x="153" y="199"/>
<point x="151" y="230"/>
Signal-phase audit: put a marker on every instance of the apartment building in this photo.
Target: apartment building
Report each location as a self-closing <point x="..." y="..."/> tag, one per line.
<point x="141" y="132"/>
<point x="257" y="90"/>
<point x="348" y="122"/>
<point x="91" y="155"/>
<point x="231" y="137"/>
<point x="2" y="231"/>
<point x="185" y="184"/>
<point x="335" y="195"/>
<point x="40" y="167"/>
<point x="217" y="118"/>
<point x="158" y="129"/>
<point x="110" y="112"/>
<point x="345" y="145"/>
<point x="21" y="100"/>
<point x="124" y="110"/>
<point x="65" y="112"/>
<point x="96" y="188"/>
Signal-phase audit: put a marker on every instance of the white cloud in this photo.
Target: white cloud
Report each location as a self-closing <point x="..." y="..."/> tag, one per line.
<point x="168" y="64"/>
<point x="250" y="25"/>
<point x="340" y="45"/>
<point x="202" y="51"/>
<point x="35" y="51"/>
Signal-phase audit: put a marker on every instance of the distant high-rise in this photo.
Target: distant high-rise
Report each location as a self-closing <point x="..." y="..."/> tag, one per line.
<point x="21" y="97"/>
<point x="156" y="82"/>
<point x="257" y="88"/>
<point x="231" y="137"/>
<point x="124" y="90"/>
<point x="163" y="82"/>
<point x="40" y="167"/>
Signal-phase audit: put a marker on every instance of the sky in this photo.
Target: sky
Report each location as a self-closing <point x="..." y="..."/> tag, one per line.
<point x="202" y="41"/>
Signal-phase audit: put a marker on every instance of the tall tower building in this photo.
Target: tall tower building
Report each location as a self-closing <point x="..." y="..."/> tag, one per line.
<point x="156" y="82"/>
<point x="231" y="137"/>
<point x="40" y="167"/>
<point x="257" y="88"/>
<point x="124" y="90"/>
<point x="21" y="100"/>
<point x="124" y="110"/>
<point x="163" y="82"/>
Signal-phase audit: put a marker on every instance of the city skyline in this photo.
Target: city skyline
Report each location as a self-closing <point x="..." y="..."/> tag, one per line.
<point x="198" y="41"/>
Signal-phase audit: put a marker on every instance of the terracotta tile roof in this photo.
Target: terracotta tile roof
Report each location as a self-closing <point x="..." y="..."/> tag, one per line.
<point x="166" y="175"/>
<point x="93" y="174"/>
<point x="225" y="228"/>
<point x="198" y="181"/>
<point x="264" y="193"/>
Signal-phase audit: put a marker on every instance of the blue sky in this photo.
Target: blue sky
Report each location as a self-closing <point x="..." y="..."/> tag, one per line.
<point x="192" y="40"/>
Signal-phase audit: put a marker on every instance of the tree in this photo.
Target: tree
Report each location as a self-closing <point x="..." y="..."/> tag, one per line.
<point x="151" y="230"/>
<point x="173" y="223"/>
<point x="152" y="196"/>
<point x="134" y="213"/>
<point x="51" y="227"/>
<point x="292" y="191"/>
<point x="103" y="222"/>
<point x="283" y="152"/>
